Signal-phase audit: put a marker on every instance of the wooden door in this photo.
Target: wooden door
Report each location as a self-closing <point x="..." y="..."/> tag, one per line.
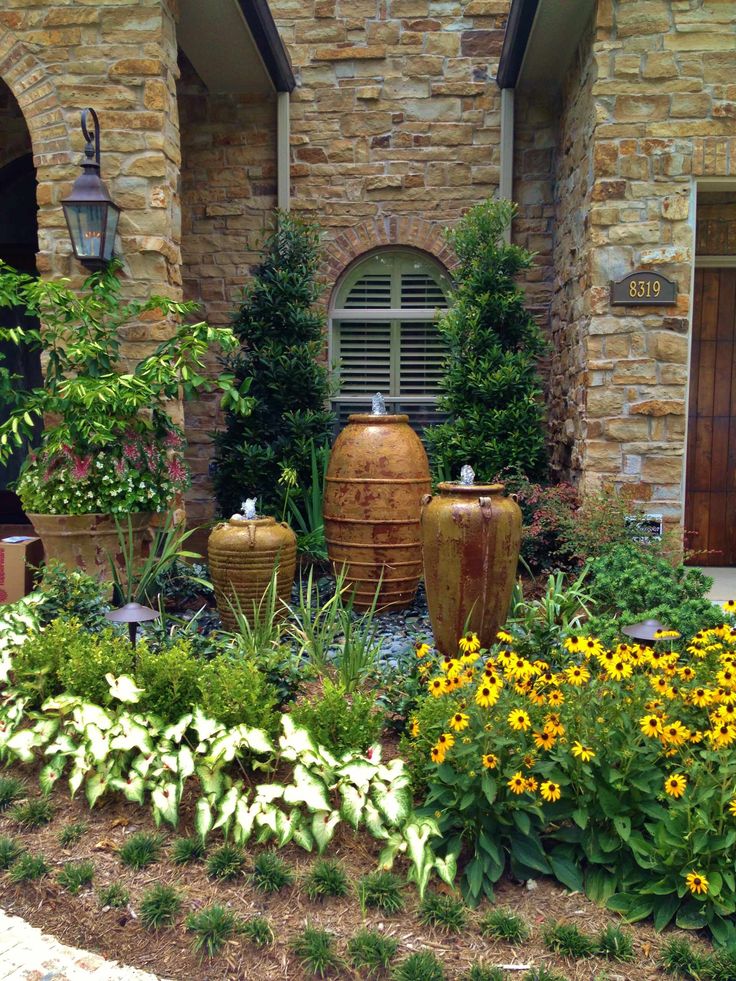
<point x="710" y="501"/>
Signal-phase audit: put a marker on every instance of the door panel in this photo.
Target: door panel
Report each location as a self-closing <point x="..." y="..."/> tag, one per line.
<point x="710" y="500"/>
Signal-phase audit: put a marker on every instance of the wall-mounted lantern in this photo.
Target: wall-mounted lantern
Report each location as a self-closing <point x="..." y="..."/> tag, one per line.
<point x="91" y="214"/>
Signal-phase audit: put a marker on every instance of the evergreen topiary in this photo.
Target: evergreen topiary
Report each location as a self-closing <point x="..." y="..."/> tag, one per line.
<point x="491" y="387"/>
<point x="282" y="346"/>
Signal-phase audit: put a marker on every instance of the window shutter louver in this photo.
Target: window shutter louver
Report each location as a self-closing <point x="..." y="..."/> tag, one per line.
<point x="401" y="356"/>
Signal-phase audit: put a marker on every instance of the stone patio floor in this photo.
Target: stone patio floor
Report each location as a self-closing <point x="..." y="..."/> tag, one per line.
<point x="27" y="954"/>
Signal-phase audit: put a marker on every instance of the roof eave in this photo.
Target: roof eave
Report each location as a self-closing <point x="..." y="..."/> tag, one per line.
<point x="515" y="41"/>
<point x="266" y="35"/>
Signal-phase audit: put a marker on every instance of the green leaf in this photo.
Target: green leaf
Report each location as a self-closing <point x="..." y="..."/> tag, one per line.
<point x="394" y="802"/>
<point x="566" y="870"/>
<point x="664" y="909"/>
<point x="353" y="802"/>
<point x="622" y="824"/>
<point x="307" y="789"/>
<point x="529" y="852"/>
<point x="203" y="818"/>
<point x="691" y="917"/>
<point x="323" y="828"/>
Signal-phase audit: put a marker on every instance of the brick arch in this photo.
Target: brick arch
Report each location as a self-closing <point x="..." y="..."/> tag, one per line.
<point x="407" y="231"/>
<point x="49" y="131"/>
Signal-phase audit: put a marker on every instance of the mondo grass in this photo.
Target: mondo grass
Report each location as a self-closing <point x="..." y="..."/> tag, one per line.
<point x="70" y="834"/>
<point x="316" y="952"/>
<point x="568" y="940"/>
<point x="271" y="873"/>
<point x="444" y="912"/>
<point x="543" y="974"/>
<point x="680" y="958"/>
<point x="371" y="951"/>
<point x="141" y="849"/>
<point x="326" y="878"/>
<point x="115" y="896"/>
<point x="258" y="930"/>
<point x="33" y="813"/>
<point x="226" y="862"/>
<point x="482" y="972"/>
<point x="75" y="875"/>
<point x="212" y="928"/>
<point x="503" y="924"/>
<point x="722" y="965"/>
<point x="186" y="850"/>
<point x="159" y="906"/>
<point x="28" y="867"/>
<point x="9" y="851"/>
<point x="381" y="890"/>
<point x="615" y="943"/>
<point x="11" y="790"/>
<point x="419" y="967"/>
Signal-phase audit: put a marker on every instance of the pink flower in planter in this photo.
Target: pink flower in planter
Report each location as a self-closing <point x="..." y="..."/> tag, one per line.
<point x="172" y="440"/>
<point x="176" y="470"/>
<point x="80" y="467"/>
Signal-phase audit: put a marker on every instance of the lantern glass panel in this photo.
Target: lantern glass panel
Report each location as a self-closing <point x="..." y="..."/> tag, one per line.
<point x="109" y="235"/>
<point x="87" y="227"/>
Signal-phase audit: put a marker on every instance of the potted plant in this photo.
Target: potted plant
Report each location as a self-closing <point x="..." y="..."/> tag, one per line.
<point x="110" y="447"/>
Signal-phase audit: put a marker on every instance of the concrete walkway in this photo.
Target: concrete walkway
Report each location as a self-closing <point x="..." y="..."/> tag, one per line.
<point x="26" y="954"/>
<point x="724" y="583"/>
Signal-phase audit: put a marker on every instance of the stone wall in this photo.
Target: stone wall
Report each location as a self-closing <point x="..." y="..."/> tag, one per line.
<point x="572" y="265"/>
<point x="228" y="193"/>
<point x="120" y="58"/>
<point x="396" y="114"/>
<point x="665" y="106"/>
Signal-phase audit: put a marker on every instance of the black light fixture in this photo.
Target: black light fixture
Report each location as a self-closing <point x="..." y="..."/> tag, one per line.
<point x="650" y="630"/>
<point x="133" y="614"/>
<point x="91" y="214"/>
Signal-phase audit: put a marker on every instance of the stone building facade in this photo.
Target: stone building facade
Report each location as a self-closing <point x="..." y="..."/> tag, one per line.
<point x="620" y="151"/>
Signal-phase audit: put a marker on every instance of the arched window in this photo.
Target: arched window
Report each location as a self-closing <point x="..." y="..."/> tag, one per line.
<point x="384" y="337"/>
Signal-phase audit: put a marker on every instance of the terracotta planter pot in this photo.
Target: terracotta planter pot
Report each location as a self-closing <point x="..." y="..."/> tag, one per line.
<point x="470" y="539"/>
<point x="84" y="541"/>
<point x="376" y="478"/>
<point x="242" y="555"/>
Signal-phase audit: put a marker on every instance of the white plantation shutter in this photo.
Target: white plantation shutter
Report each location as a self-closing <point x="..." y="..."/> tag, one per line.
<point x="384" y="336"/>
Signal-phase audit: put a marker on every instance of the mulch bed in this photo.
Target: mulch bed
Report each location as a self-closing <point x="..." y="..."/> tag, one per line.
<point x="79" y="921"/>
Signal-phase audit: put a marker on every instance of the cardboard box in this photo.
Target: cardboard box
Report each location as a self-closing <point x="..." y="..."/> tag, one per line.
<point x="19" y="554"/>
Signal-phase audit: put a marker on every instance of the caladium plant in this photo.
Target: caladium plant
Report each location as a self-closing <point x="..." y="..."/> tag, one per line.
<point x="118" y="749"/>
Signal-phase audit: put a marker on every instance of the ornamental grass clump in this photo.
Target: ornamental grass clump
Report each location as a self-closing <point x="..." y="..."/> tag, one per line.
<point x="11" y="790"/>
<point x="257" y="930"/>
<point x="271" y="873"/>
<point x="28" y="867"/>
<point x="568" y="940"/>
<point x="371" y="952"/>
<point x="226" y="862"/>
<point x="33" y="813"/>
<point x="212" y="928"/>
<point x="444" y="912"/>
<point x="419" y="967"/>
<point x="9" y="852"/>
<point x="159" y="906"/>
<point x="76" y="875"/>
<point x="615" y="943"/>
<point x="381" y="890"/>
<point x="503" y="924"/>
<point x="680" y="958"/>
<point x="185" y="850"/>
<point x="316" y="952"/>
<point x="141" y="849"/>
<point x="620" y="759"/>
<point x="70" y="834"/>
<point x="115" y="896"/>
<point x="482" y="972"/>
<point x="327" y="877"/>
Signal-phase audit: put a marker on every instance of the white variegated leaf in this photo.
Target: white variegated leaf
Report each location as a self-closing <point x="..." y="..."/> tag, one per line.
<point x="87" y="714"/>
<point x="243" y="821"/>
<point x="98" y="745"/>
<point x="95" y="786"/>
<point x="204" y="727"/>
<point x="295" y="742"/>
<point x="133" y="786"/>
<point x="393" y="802"/>
<point x="390" y="850"/>
<point x="353" y="803"/>
<point x="257" y="741"/>
<point x="176" y="732"/>
<point x="22" y="744"/>
<point x="165" y="801"/>
<point x="124" y="688"/>
<point x="358" y="772"/>
<point x="323" y="828"/>
<point x="446" y="868"/>
<point x="268" y="792"/>
<point x="307" y="789"/>
<point x="131" y="736"/>
<point x="203" y="817"/>
<point x="50" y="774"/>
<point x="374" y="821"/>
<point x="211" y="779"/>
<point x="226" y="808"/>
<point x="186" y="763"/>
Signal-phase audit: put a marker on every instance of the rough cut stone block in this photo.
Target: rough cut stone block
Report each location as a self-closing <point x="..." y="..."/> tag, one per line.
<point x="658" y="407"/>
<point x="352" y="52"/>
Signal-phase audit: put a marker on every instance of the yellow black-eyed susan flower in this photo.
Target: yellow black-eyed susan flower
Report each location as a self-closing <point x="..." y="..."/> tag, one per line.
<point x="550" y="791"/>
<point x="675" y="785"/>
<point x="447" y="740"/>
<point x="519" y="720"/>
<point x="575" y="644"/>
<point x="544" y="739"/>
<point x="517" y="783"/>
<point x="577" y="675"/>
<point x="555" y="698"/>
<point x="732" y="807"/>
<point x="552" y="724"/>
<point x="438" y="754"/>
<point x="437" y="687"/>
<point x="583" y="753"/>
<point x="531" y="785"/>
<point x="459" y="721"/>
<point x="696" y="883"/>
<point x="650" y="725"/>
<point x="674" y="733"/>
<point x="505" y="637"/>
<point x="469" y="643"/>
<point x="414" y="728"/>
<point x="487" y="695"/>
<point x="490" y="761"/>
